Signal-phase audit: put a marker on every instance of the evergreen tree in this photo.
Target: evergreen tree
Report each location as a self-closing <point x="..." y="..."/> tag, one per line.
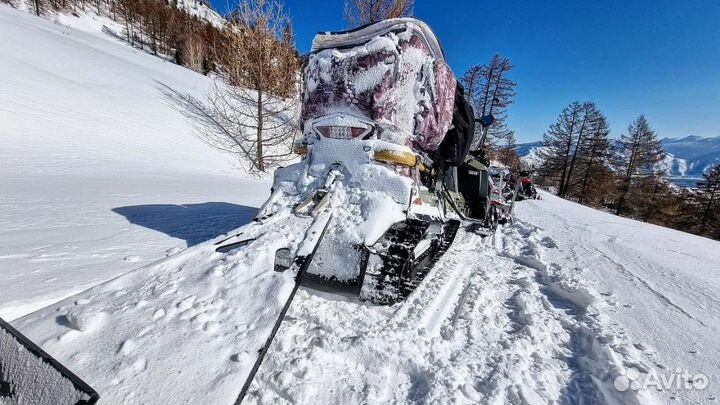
<point x="640" y="152"/>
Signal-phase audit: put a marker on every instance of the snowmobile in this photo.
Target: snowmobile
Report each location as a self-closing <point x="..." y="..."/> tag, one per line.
<point x="386" y="134"/>
<point x="503" y="192"/>
<point x="385" y="181"/>
<point x="520" y="185"/>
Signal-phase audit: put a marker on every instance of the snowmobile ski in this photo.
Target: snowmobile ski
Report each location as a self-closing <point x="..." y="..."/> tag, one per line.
<point x="28" y="374"/>
<point x="299" y="265"/>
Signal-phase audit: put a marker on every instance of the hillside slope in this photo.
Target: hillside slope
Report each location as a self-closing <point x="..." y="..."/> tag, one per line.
<point x="560" y="307"/>
<point x="101" y="176"/>
<point x="99" y="169"/>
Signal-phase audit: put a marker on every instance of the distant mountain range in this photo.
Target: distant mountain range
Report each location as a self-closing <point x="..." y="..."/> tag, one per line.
<point x="686" y="161"/>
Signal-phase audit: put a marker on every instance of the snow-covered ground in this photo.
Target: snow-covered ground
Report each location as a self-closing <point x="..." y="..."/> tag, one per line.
<point x="100" y="175"/>
<point x="100" y="172"/>
<point x="560" y="306"/>
<point x="567" y="305"/>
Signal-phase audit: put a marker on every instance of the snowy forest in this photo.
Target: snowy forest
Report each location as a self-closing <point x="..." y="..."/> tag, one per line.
<point x="580" y="159"/>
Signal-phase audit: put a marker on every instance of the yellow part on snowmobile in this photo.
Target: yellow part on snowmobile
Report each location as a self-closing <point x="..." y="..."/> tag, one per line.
<point x="384" y="155"/>
<point x="399" y="157"/>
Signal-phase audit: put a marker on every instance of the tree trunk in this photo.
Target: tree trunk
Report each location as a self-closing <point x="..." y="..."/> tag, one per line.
<point x="260" y="161"/>
<point x="628" y="175"/>
<point x="652" y="205"/>
<point x="563" y="192"/>
<point x="586" y="178"/>
<point x="487" y="89"/>
<point x="707" y="210"/>
<point x="621" y="201"/>
<point x="37" y="8"/>
<point x="566" y="155"/>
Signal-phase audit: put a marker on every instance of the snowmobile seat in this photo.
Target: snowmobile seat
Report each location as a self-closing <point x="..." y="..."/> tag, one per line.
<point x="455" y="147"/>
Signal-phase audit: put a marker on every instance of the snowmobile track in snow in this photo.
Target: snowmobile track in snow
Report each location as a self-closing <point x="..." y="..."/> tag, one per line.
<point x="493" y="322"/>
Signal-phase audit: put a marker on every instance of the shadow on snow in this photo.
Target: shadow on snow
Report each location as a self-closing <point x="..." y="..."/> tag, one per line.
<point x="194" y="223"/>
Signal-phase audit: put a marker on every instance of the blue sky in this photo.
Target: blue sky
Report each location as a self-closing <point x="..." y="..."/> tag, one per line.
<point x="660" y="58"/>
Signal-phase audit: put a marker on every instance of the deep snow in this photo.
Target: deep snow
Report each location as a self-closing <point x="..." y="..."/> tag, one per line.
<point x="553" y="310"/>
<point x="559" y="307"/>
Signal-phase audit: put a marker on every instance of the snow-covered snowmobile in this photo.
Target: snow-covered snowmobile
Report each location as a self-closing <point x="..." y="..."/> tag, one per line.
<point x="385" y="180"/>
<point x="386" y="132"/>
<point x="385" y="174"/>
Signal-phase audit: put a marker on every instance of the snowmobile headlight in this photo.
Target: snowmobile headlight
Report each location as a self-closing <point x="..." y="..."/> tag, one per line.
<point x="283" y="259"/>
<point x="342" y="132"/>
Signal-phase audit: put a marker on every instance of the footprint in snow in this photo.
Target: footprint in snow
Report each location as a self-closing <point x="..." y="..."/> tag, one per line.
<point x="548" y="242"/>
<point x="127" y="347"/>
<point x="640" y="346"/>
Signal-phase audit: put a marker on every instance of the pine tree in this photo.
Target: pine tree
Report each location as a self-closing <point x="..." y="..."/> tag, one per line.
<point x="709" y="199"/>
<point x="640" y="151"/>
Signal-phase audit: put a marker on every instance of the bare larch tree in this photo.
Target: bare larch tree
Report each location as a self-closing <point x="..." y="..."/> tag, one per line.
<point x="491" y="93"/>
<point x="640" y="152"/>
<point x="255" y="113"/>
<point x="709" y="207"/>
<point x="361" y="12"/>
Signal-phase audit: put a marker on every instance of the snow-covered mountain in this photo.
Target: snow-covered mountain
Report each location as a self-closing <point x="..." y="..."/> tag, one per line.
<point x="689" y="157"/>
<point x="530" y="153"/>
<point x="203" y="10"/>
<point x="686" y="160"/>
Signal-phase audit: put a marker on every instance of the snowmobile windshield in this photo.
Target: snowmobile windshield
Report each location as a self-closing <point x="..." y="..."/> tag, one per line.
<point x="392" y="73"/>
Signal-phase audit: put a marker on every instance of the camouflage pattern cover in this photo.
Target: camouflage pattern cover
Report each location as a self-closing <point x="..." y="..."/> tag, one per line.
<point x="392" y="73"/>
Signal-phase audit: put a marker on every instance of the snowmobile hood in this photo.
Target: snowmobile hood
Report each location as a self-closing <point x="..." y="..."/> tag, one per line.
<point x="362" y="34"/>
